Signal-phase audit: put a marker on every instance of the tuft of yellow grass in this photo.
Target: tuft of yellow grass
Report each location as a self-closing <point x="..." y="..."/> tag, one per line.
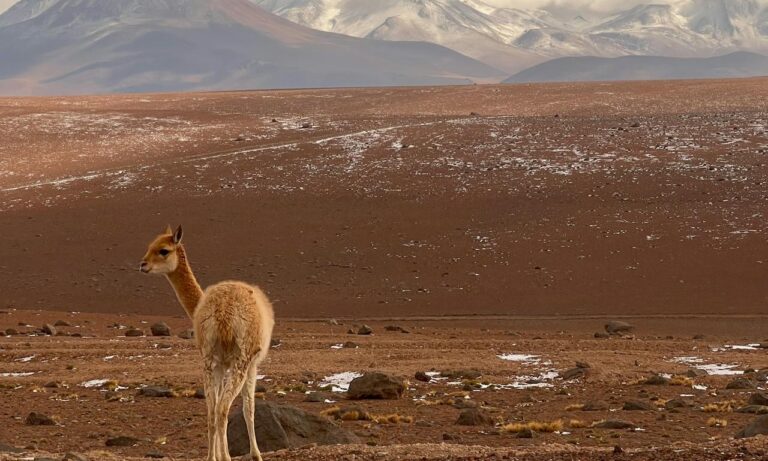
<point x="577" y="424"/>
<point x="534" y="426"/>
<point x="575" y="407"/>
<point x="720" y="407"/>
<point x="681" y="381"/>
<point x="715" y="422"/>
<point x="393" y="419"/>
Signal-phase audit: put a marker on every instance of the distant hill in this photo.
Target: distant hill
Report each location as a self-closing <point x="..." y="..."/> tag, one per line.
<point x="740" y="64"/>
<point x="101" y="46"/>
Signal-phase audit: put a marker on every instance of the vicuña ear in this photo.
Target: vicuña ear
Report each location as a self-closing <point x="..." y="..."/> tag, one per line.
<point x="168" y="230"/>
<point x="178" y="235"/>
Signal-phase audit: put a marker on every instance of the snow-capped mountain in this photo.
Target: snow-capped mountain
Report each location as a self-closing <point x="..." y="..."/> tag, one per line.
<point x="93" y="46"/>
<point x="513" y="39"/>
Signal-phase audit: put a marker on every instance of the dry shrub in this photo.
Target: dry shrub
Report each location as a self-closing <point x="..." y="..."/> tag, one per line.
<point x="681" y="381"/>
<point x="575" y="407"/>
<point x="715" y="422"/>
<point x="393" y="419"/>
<point x="534" y="426"/>
<point x="726" y="406"/>
<point x="577" y="424"/>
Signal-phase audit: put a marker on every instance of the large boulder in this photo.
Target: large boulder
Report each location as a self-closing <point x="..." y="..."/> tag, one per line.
<point x="759" y="426"/>
<point x="376" y="386"/>
<point x="281" y="426"/>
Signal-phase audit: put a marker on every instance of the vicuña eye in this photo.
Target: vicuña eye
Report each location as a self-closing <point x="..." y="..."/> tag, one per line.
<point x="164" y="252"/>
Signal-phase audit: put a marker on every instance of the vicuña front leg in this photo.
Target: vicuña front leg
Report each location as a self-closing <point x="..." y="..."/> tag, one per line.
<point x="249" y="404"/>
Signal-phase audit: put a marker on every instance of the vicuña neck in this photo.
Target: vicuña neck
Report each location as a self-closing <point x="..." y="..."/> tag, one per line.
<point x="185" y="284"/>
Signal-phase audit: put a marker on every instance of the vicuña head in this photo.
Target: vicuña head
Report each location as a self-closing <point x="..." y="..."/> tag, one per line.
<point x="162" y="255"/>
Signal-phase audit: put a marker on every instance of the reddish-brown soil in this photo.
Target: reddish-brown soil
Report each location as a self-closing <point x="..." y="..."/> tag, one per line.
<point x="487" y="220"/>
<point x="616" y="198"/>
<point x="176" y="426"/>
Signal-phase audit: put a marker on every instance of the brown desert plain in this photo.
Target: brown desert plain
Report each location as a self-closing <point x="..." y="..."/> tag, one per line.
<point x="486" y="235"/>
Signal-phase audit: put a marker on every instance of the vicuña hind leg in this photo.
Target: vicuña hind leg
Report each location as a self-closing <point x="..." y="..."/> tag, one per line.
<point x="249" y="388"/>
<point x="231" y="385"/>
<point x="210" y="401"/>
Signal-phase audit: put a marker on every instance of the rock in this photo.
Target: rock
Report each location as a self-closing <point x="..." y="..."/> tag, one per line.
<point x="52" y="385"/>
<point x="657" y="380"/>
<point x="350" y="345"/>
<point x="753" y="409"/>
<point x="43" y="458"/>
<point x="9" y="449"/>
<point x="157" y="391"/>
<point x="423" y="377"/>
<point x="365" y="330"/>
<point x="525" y="434"/>
<point x="740" y="383"/>
<point x="759" y="426"/>
<point x="333" y="322"/>
<point x="2" y="333"/>
<point x="601" y="335"/>
<point x="11" y="331"/>
<point x="187" y="334"/>
<point x="574" y="373"/>
<point x="154" y="455"/>
<point x="677" y="403"/>
<point x="133" y="333"/>
<point x="39" y="419"/>
<point x="698" y="337"/>
<point x="160" y="329"/>
<point x="376" y="386"/>
<point x="274" y="343"/>
<point x="280" y="426"/>
<point x="396" y="329"/>
<point x="448" y="437"/>
<point x="72" y="456"/>
<point x="637" y="405"/>
<point x="583" y="365"/>
<point x="761" y="376"/>
<point x="758" y="398"/>
<point x="199" y="393"/>
<point x="596" y="405"/>
<point x="696" y="373"/>
<point x="122" y="441"/>
<point x="317" y="397"/>
<point x="616" y="327"/>
<point x="474" y="417"/>
<point x="614" y="424"/>
<point x="49" y="329"/>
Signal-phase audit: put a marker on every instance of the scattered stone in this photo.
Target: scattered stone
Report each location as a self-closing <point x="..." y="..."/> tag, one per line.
<point x="616" y="327"/>
<point x="677" y="403"/>
<point x="614" y="424"/>
<point x="187" y="334"/>
<point x="753" y="409"/>
<point x="306" y="125"/>
<point x="448" y="437"/>
<point x="365" y="330"/>
<point x="759" y="426"/>
<point x="350" y="345"/>
<point x="657" y="380"/>
<point x="11" y="331"/>
<point x="333" y="322"/>
<point x="740" y="383"/>
<point x="39" y="419"/>
<point x="122" y="441"/>
<point x="698" y="337"/>
<point x="696" y="373"/>
<point x="280" y="426"/>
<point x="396" y="328"/>
<point x="461" y="374"/>
<point x="2" y="333"/>
<point x="160" y="329"/>
<point x="62" y="323"/>
<point x="49" y="329"/>
<point x="596" y="405"/>
<point x="157" y="391"/>
<point x="52" y="385"/>
<point x="474" y="417"/>
<point x="574" y="373"/>
<point x="318" y="397"/>
<point x="72" y="456"/>
<point x="423" y="377"/>
<point x="376" y="386"/>
<point x="637" y="405"/>
<point x="133" y="333"/>
<point x="199" y="393"/>
<point x="601" y="335"/>
<point x="583" y="365"/>
<point x="274" y="343"/>
<point x="617" y="450"/>
<point x="154" y="455"/>
<point x="525" y="434"/>
<point x="758" y="398"/>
